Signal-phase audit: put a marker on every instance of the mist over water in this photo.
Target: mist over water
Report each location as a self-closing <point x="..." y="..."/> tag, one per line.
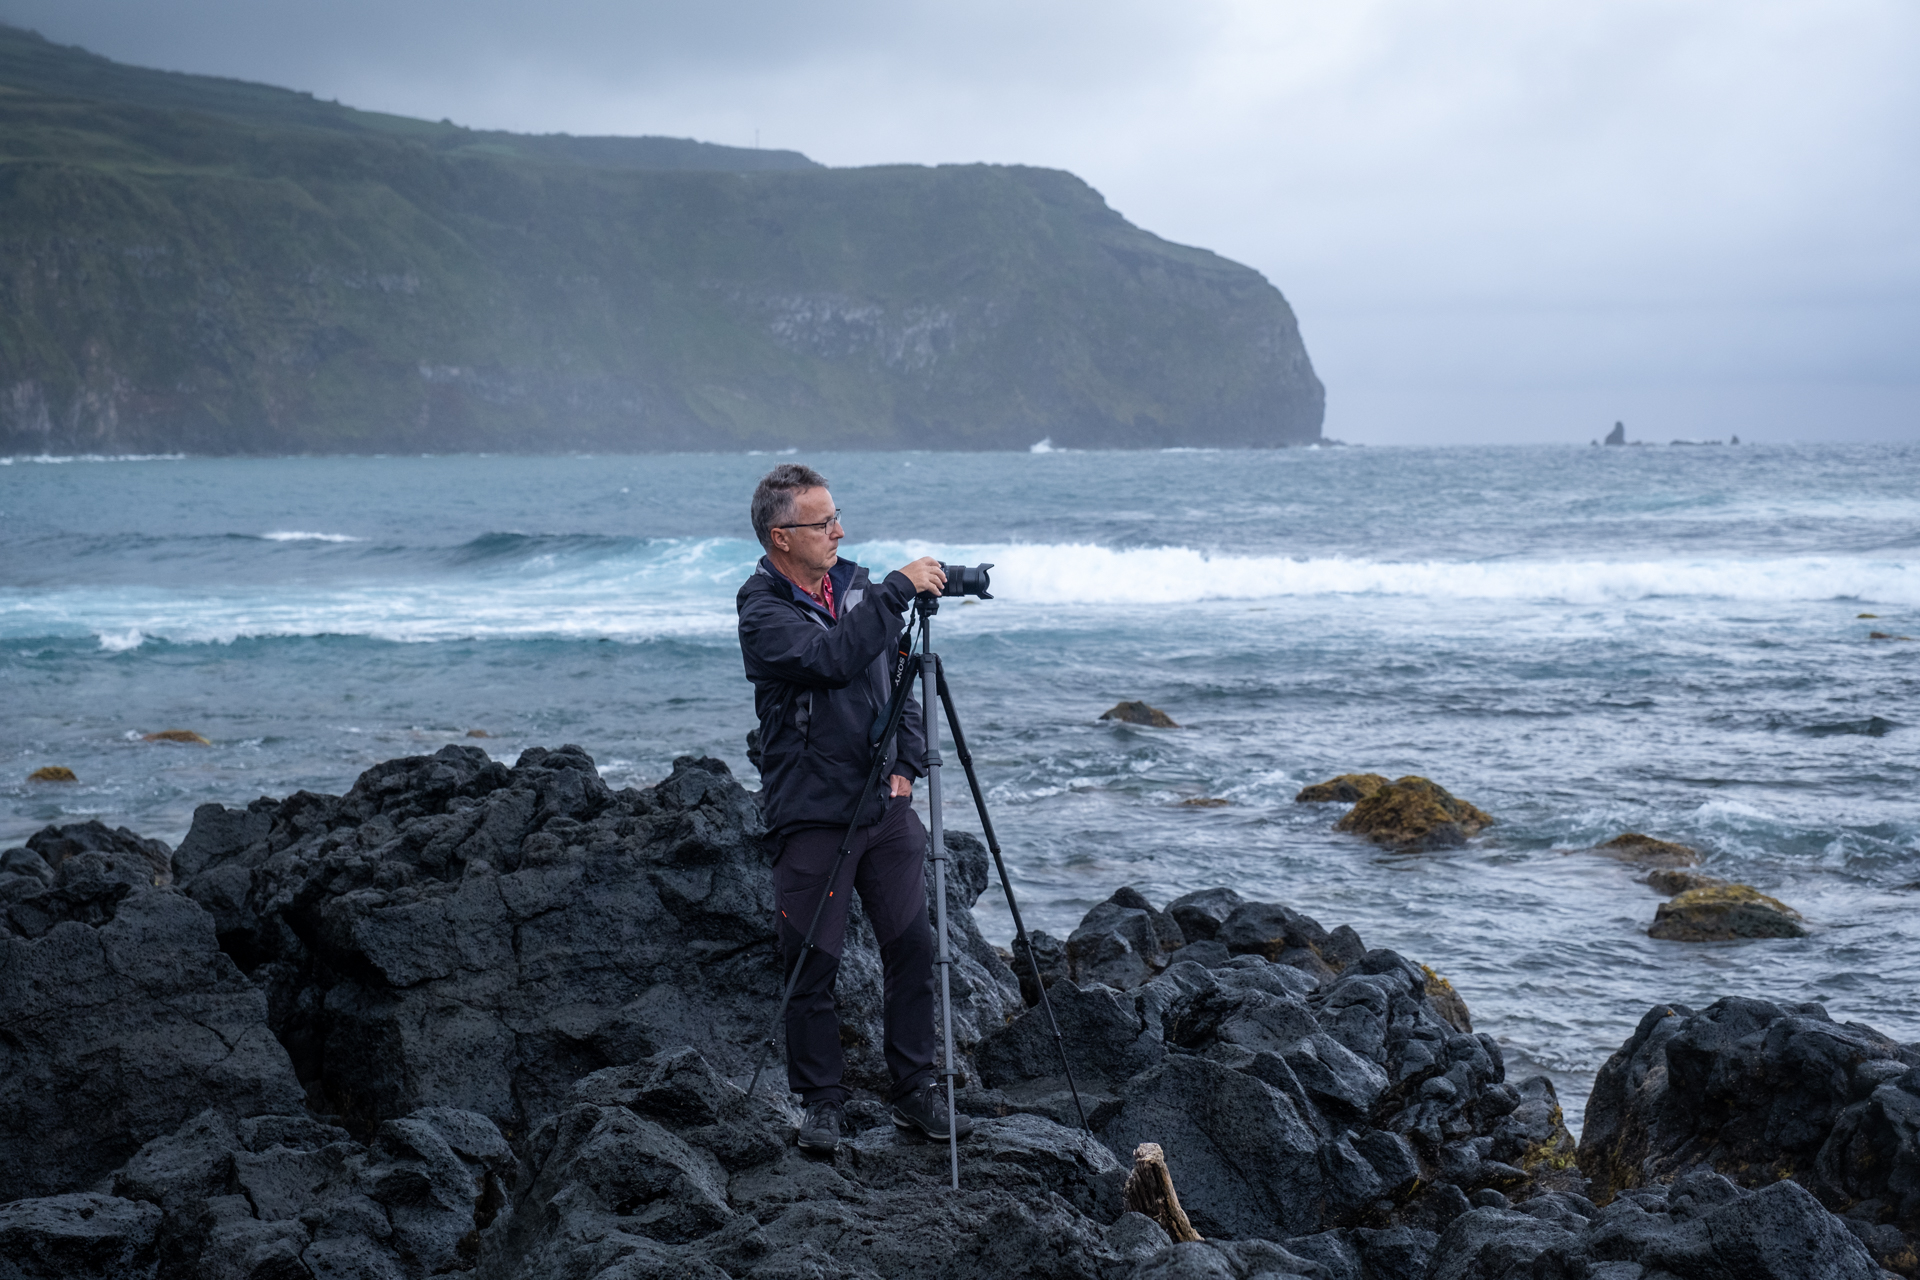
<point x="1581" y="641"/>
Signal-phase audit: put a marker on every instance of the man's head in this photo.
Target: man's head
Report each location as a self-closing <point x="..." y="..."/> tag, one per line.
<point x="793" y="516"/>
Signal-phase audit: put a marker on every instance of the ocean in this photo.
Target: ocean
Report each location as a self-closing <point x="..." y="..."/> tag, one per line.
<point x="1582" y="641"/>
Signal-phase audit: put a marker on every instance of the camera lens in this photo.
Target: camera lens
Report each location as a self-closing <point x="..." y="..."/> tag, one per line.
<point x="967" y="580"/>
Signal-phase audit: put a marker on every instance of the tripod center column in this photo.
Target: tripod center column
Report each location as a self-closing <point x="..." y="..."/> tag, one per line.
<point x="936" y="837"/>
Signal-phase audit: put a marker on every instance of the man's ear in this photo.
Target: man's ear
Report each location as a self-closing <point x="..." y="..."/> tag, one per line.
<point x="779" y="543"/>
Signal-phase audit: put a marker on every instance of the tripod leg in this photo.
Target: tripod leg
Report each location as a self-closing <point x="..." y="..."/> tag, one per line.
<point x="993" y="845"/>
<point x="937" y="838"/>
<point x="896" y="711"/>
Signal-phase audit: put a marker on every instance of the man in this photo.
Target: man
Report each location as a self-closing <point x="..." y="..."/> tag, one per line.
<point x="817" y="635"/>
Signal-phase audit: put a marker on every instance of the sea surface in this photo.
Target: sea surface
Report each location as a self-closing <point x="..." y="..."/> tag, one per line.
<point x="1583" y="641"/>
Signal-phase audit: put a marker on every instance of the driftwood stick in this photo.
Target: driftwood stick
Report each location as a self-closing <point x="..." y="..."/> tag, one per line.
<point x="1150" y="1191"/>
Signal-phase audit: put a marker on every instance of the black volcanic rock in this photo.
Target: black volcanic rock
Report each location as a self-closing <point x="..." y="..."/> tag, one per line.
<point x="641" y="1179"/>
<point x="56" y="844"/>
<point x="1290" y="1099"/>
<point x="1122" y="942"/>
<point x="455" y="933"/>
<point x="523" y="1006"/>
<point x="121" y="1018"/>
<point x="82" y="1236"/>
<point x="1765" y="1093"/>
<point x="1201" y="913"/>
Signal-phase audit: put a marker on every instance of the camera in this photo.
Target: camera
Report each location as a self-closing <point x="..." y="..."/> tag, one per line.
<point x="966" y="580"/>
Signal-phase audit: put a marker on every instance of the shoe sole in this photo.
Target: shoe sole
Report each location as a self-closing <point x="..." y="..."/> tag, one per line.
<point x="818" y="1148"/>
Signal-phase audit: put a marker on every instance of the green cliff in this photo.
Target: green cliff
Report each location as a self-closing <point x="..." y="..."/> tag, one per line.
<point x="209" y="266"/>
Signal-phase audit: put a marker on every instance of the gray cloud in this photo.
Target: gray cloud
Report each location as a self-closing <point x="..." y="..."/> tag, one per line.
<point x="1497" y="219"/>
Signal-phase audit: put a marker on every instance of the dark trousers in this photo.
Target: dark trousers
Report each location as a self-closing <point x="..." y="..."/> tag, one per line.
<point x="886" y="866"/>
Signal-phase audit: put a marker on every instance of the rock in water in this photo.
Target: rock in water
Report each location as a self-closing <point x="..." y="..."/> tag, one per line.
<point x="52" y="773"/>
<point x="186" y="736"/>
<point x="1764" y="1092"/>
<point x="1649" y="852"/>
<point x="1139" y="713"/>
<point x="1347" y="789"/>
<point x="1673" y="881"/>
<point x="1718" y="913"/>
<point x="1414" y="813"/>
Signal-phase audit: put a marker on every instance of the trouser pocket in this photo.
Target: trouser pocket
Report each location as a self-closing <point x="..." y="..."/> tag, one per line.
<point x="796" y="898"/>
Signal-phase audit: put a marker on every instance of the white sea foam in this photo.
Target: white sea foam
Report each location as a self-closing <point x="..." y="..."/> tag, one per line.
<point x="56" y="459"/>
<point x="300" y="535"/>
<point x="1087" y="574"/>
<point x="685" y="588"/>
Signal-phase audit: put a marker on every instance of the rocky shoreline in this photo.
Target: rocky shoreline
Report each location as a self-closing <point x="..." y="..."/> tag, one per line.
<point x="468" y="1018"/>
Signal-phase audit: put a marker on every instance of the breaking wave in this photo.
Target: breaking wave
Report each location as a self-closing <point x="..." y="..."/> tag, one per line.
<point x="568" y="587"/>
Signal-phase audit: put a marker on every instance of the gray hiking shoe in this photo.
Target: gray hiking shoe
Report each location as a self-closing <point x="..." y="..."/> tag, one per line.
<point x="925" y="1109"/>
<point x="820" y="1128"/>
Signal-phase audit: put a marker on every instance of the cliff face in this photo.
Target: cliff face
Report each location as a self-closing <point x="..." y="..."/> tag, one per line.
<point x="214" y="267"/>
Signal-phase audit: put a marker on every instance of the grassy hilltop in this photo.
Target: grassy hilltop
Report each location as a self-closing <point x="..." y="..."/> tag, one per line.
<point x="188" y="263"/>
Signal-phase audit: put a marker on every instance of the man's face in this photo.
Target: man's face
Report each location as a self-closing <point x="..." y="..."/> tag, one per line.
<point x="816" y="547"/>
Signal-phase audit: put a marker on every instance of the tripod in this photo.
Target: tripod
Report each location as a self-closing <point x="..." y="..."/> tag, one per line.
<point x="925" y="664"/>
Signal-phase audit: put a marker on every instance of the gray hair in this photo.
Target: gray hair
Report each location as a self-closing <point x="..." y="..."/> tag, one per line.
<point x="773" y="497"/>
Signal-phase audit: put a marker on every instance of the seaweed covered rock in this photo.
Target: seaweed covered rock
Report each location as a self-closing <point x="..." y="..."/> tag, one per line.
<point x="452" y="932"/>
<point x="1649" y="852"/>
<point x="1765" y="1093"/>
<point x="1721" y="912"/>
<point x="1447" y="1002"/>
<point x="1139" y="713"/>
<point x="1414" y="813"/>
<point x="1348" y="788"/>
<point x="1673" y="881"/>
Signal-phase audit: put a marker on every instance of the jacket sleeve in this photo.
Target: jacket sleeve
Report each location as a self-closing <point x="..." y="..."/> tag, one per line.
<point x="786" y="646"/>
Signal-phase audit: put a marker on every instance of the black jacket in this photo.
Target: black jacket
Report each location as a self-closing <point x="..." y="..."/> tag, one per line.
<point x="819" y="683"/>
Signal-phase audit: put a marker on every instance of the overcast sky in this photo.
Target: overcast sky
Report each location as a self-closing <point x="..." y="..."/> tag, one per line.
<point x="1498" y="220"/>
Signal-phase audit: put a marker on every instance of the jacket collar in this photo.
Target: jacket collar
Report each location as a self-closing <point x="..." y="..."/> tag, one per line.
<point x="841" y="574"/>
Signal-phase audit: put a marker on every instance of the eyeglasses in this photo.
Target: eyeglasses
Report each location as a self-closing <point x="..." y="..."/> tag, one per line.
<point x="817" y="524"/>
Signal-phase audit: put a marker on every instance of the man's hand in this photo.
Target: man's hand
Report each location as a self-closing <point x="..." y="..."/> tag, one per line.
<point x="926" y="575"/>
<point x="902" y="786"/>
